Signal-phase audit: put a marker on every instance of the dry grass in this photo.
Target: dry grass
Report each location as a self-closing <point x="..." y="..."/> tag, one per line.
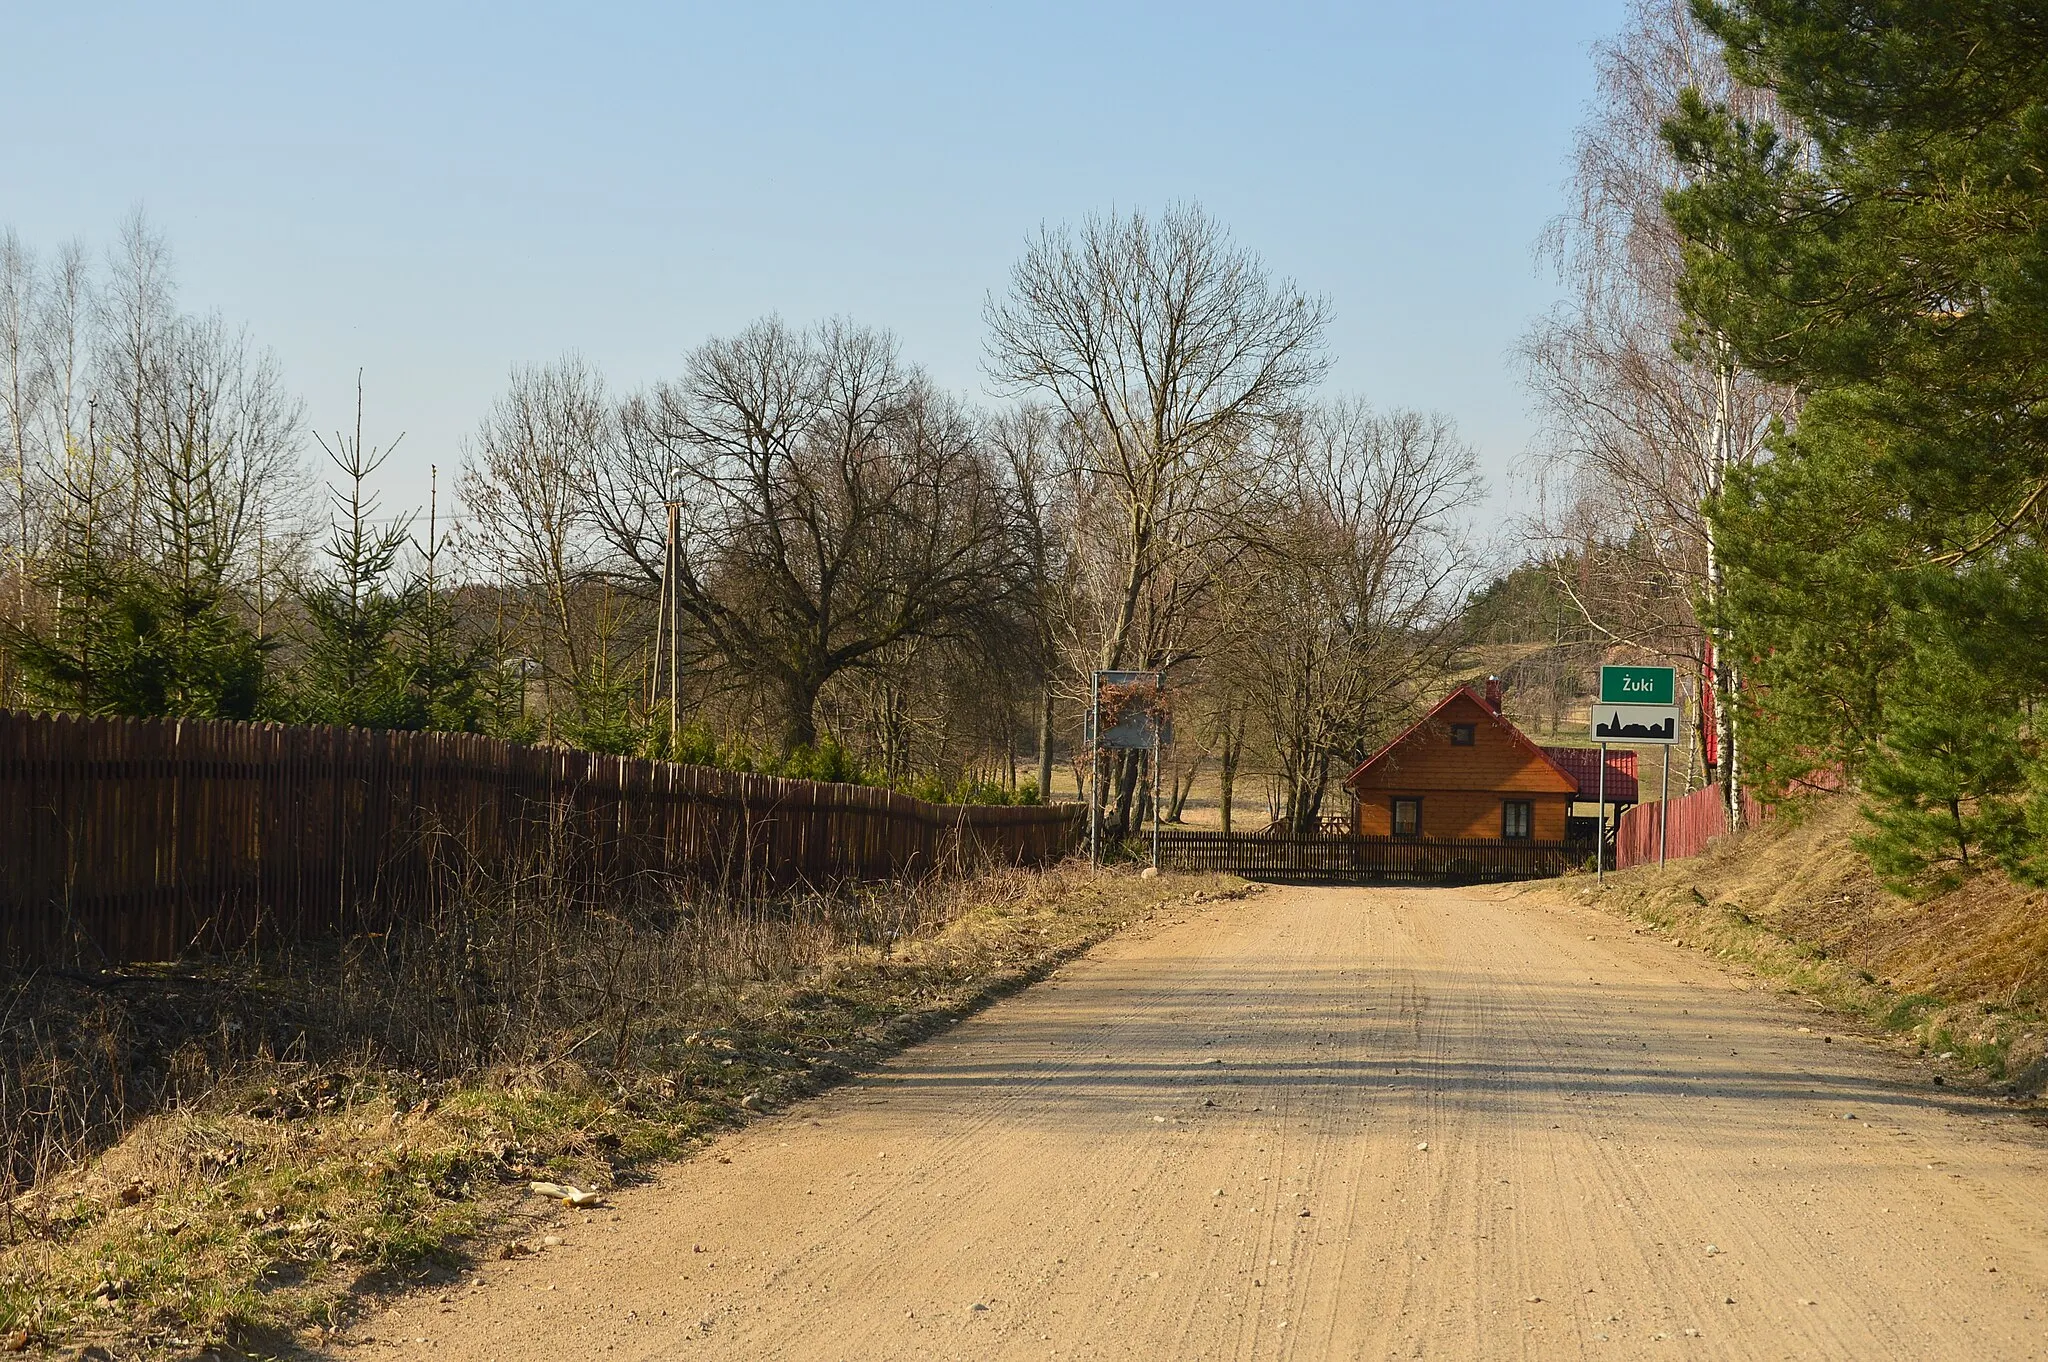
<point x="334" y="1121"/>
<point x="1962" y="973"/>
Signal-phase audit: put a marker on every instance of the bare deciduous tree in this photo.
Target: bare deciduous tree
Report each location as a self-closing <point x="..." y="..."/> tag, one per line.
<point x="834" y="504"/>
<point x="526" y="484"/>
<point x="1037" y="446"/>
<point x="20" y="400"/>
<point x="1646" y="416"/>
<point x="1172" y="353"/>
<point x="42" y="337"/>
<point x="1354" y="612"/>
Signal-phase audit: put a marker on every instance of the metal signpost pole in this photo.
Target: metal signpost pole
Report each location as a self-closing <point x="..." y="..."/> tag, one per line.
<point x="1094" y="769"/>
<point x="1137" y="734"/>
<point x="1156" y="726"/>
<point x="1664" y="809"/>
<point x="1600" y="834"/>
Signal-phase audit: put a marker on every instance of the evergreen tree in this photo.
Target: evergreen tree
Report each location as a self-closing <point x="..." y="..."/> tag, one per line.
<point x="145" y="620"/>
<point x="449" y="680"/>
<point x="354" y="671"/>
<point x="1887" y="573"/>
<point x="1896" y="250"/>
<point x="603" y="719"/>
<point x="124" y="641"/>
<point x="1812" y="549"/>
<point x="1948" y="778"/>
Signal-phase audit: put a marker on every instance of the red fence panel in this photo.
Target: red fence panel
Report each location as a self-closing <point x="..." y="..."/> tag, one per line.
<point x="1695" y="820"/>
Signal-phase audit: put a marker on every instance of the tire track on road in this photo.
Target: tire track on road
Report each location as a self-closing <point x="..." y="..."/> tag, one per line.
<point x="1113" y="1164"/>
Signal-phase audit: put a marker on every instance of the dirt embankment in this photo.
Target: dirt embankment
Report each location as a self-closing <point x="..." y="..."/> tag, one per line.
<point x="1963" y="972"/>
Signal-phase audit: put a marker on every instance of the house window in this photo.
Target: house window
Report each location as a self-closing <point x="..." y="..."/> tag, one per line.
<point x="1462" y="735"/>
<point x="1516" y="819"/>
<point x="1407" y="817"/>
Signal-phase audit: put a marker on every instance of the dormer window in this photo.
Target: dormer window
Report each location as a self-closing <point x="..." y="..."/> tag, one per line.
<point x="1463" y="735"/>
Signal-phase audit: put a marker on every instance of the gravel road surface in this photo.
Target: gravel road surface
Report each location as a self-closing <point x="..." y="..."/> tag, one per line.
<point x="1324" y="1123"/>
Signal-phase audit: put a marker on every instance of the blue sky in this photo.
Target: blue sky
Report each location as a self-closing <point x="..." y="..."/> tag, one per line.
<point x="437" y="192"/>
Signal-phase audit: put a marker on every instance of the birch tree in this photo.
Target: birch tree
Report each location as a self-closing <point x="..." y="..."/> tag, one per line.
<point x="1646" y="412"/>
<point x="42" y="338"/>
<point x="20" y="400"/>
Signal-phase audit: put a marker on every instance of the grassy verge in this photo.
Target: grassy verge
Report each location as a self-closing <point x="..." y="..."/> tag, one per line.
<point x="250" y="1217"/>
<point x="1958" y="977"/>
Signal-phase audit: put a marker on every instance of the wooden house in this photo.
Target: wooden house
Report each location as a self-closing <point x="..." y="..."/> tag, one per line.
<point x="1464" y="772"/>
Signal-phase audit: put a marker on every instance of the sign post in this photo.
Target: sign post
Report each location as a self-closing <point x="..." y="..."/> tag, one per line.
<point x="1155" y="796"/>
<point x="1664" y="811"/>
<point x="1600" y="842"/>
<point x="1094" y="773"/>
<point x="1638" y="686"/>
<point x="1143" y="729"/>
<point x="1638" y="705"/>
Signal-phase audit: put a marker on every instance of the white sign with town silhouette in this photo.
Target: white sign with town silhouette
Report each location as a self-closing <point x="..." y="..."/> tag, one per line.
<point x="1638" y="724"/>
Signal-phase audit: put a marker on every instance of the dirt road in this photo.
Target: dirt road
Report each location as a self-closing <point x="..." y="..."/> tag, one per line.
<point x="1207" y="1140"/>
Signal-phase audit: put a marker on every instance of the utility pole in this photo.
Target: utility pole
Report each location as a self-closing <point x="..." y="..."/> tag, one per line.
<point x="666" y="615"/>
<point x="668" y="574"/>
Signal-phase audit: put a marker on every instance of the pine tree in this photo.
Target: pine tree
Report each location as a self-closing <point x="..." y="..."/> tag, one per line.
<point x="1812" y="550"/>
<point x="1888" y="571"/>
<point x="1948" y="781"/>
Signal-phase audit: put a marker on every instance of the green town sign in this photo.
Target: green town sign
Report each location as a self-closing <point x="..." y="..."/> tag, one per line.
<point x="1637" y="686"/>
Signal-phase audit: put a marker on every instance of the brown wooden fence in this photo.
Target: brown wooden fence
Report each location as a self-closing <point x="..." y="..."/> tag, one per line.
<point x="1696" y="820"/>
<point x="141" y="839"/>
<point x="1262" y="855"/>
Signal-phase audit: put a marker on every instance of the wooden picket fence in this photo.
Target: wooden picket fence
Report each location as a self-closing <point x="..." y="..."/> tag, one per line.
<point x="124" y="839"/>
<point x="1696" y="820"/>
<point x="1338" y="857"/>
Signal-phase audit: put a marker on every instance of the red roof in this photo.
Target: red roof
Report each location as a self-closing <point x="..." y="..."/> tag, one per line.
<point x="1582" y="764"/>
<point x="1515" y="734"/>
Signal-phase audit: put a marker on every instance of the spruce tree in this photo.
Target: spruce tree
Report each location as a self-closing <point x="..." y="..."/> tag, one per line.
<point x="123" y="641"/>
<point x="448" y="676"/>
<point x="354" y="671"/>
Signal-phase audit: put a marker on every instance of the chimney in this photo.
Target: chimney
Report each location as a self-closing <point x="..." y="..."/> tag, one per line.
<point x="1493" y="693"/>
